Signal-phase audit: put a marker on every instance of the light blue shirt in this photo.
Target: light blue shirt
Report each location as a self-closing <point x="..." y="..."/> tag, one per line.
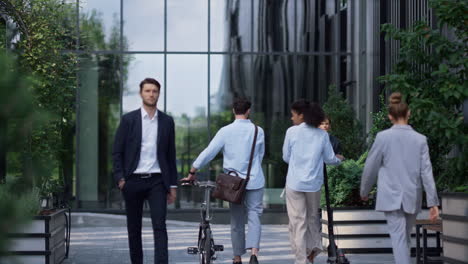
<point x="236" y="140"/>
<point x="305" y="149"/>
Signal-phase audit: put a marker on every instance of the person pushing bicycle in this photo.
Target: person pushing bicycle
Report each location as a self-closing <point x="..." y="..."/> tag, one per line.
<point x="236" y="140"/>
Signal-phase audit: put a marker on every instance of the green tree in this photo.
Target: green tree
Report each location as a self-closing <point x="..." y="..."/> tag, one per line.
<point x="432" y="72"/>
<point x="45" y="31"/>
<point x="380" y="121"/>
<point x="344" y="124"/>
<point x="18" y="200"/>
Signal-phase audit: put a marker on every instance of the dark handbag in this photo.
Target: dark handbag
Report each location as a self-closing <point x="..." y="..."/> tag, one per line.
<point x="229" y="186"/>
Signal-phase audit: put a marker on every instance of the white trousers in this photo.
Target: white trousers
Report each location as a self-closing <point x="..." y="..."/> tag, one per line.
<point x="304" y="223"/>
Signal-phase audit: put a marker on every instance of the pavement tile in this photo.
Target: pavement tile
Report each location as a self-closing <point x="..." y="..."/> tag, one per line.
<point x="102" y="239"/>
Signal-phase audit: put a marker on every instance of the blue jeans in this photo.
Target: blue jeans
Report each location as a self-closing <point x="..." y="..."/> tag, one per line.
<point x="251" y="209"/>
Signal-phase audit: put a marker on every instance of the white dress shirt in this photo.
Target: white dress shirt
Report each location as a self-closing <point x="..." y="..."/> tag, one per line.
<point x="236" y="142"/>
<point x="305" y="149"/>
<point x="148" y="162"/>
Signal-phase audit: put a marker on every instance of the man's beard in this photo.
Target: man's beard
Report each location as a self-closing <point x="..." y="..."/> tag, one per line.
<point x="150" y="104"/>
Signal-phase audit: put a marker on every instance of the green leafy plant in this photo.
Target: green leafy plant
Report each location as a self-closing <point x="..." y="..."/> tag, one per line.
<point x="344" y="183"/>
<point x="16" y="209"/>
<point x="344" y="124"/>
<point x="432" y="73"/>
<point x="380" y="121"/>
<point x="45" y="31"/>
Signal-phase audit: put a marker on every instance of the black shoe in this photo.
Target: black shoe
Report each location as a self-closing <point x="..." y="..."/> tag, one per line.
<point x="233" y="262"/>
<point x="253" y="260"/>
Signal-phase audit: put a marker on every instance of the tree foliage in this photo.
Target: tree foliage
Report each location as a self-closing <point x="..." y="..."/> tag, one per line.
<point x="45" y="31"/>
<point x="344" y="124"/>
<point x="17" y="113"/>
<point x="344" y="183"/>
<point x="432" y="72"/>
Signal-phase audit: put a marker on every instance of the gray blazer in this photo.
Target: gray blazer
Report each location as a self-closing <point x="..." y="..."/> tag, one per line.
<point x="400" y="158"/>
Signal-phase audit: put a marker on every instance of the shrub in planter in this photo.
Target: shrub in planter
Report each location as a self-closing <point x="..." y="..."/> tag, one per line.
<point x="344" y="183"/>
<point x="16" y="209"/>
<point x="345" y="125"/>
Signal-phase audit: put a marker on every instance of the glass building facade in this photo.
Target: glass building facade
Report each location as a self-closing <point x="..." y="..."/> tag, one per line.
<point x="205" y="53"/>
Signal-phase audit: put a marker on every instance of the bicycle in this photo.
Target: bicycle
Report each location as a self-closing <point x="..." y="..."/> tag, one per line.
<point x="206" y="247"/>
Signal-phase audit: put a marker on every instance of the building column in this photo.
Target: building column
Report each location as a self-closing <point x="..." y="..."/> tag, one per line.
<point x="87" y="135"/>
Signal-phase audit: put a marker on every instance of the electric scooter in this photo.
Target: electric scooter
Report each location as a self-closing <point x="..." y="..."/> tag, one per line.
<point x="335" y="255"/>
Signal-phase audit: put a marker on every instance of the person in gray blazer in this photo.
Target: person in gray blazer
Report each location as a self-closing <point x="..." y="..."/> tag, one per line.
<point x="400" y="159"/>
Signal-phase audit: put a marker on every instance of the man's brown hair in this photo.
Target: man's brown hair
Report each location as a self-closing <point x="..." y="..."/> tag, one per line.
<point x="241" y="105"/>
<point x="150" y="81"/>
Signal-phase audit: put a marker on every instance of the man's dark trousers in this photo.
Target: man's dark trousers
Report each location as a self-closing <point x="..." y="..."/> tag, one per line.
<point x="135" y="191"/>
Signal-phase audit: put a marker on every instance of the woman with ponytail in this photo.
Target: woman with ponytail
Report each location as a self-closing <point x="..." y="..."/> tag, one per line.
<point x="399" y="158"/>
<point x="306" y="147"/>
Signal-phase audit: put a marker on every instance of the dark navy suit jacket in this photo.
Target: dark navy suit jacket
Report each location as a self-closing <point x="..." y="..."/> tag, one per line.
<point x="127" y="147"/>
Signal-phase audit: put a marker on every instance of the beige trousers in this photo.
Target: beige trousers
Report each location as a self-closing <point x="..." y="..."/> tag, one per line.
<point x="304" y="223"/>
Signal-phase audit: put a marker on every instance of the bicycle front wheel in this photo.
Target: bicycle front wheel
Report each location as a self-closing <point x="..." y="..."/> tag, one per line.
<point x="206" y="252"/>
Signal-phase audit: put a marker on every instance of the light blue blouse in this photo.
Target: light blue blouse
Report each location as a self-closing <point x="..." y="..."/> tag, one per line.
<point x="305" y="149"/>
<point x="236" y="140"/>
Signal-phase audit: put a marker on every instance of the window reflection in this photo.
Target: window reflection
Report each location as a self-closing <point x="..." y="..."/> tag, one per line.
<point x="141" y="66"/>
<point x="100" y="24"/>
<point x="187" y="101"/>
<point x="99" y="115"/>
<point x="187" y="25"/>
<point x="220" y="103"/>
<point x="273" y="25"/>
<point x="231" y="25"/>
<point x="144" y="24"/>
<point x="272" y="82"/>
<point x="273" y="79"/>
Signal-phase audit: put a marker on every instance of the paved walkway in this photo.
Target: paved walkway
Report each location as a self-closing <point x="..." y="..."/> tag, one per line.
<point x="102" y="239"/>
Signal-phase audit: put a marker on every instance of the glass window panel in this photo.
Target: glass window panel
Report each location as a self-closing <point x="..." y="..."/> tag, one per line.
<point x="98" y="117"/>
<point x="273" y="78"/>
<point x="315" y="74"/>
<point x="143" y="25"/>
<point x="187" y="103"/>
<point x="220" y="80"/>
<point x="306" y="26"/>
<point x="100" y="24"/>
<point x="346" y="79"/>
<point x="139" y="67"/>
<point x="187" y="25"/>
<point x="220" y="103"/>
<point x="273" y="25"/>
<point x="231" y="25"/>
<point x="306" y="78"/>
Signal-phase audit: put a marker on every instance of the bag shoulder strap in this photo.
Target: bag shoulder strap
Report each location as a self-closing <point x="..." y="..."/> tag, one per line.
<point x="252" y="153"/>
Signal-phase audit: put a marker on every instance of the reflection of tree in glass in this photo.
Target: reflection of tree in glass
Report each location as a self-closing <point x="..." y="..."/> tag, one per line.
<point x="191" y="139"/>
<point x="112" y="69"/>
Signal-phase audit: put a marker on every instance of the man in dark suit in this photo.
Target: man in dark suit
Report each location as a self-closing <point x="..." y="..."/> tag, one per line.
<point x="145" y="169"/>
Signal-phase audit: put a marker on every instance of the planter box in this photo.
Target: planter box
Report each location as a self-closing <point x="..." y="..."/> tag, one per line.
<point x="455" y="227"/>
<point x="364" y="230"/>
<point x="41" y="242"/>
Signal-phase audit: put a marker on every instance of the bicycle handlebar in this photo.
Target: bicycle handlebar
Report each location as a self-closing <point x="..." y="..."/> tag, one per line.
<point x="206" y="184"/>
